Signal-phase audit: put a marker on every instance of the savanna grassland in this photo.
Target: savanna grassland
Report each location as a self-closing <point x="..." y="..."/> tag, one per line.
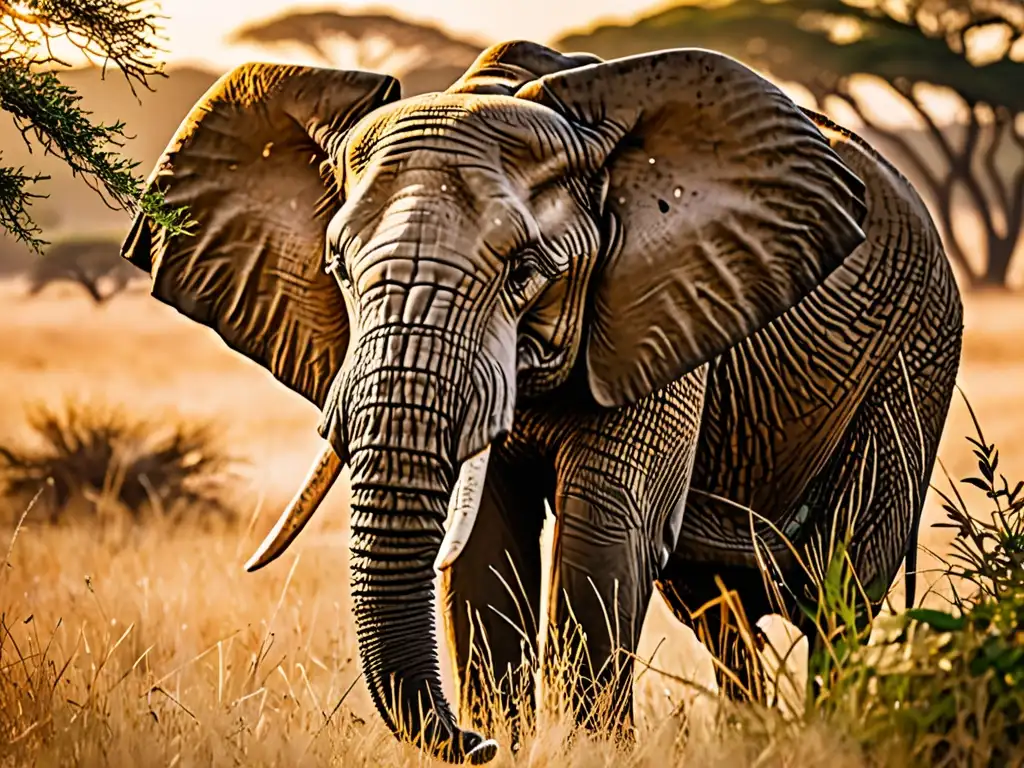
<point x="149" y="645"/>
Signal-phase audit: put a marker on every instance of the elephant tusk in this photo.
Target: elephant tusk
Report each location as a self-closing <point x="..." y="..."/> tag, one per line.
<point x="300" y="510"/>
<point x="463" y="508"/>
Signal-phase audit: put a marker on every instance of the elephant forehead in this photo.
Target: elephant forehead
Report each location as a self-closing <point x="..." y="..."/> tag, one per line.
<point x="455" y="109"/>
<point x="438" y="214"/>
<point x="457" y="124"/>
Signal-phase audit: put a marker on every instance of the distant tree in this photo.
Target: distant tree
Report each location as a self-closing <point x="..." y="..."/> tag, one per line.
<point x="93" y="263"/>
<point x="971" y="49"/>
<point x="425" y="57"/>
<point x="47" y="112"/>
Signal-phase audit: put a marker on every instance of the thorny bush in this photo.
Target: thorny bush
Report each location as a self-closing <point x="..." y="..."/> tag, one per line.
<point x="95" y="457"/>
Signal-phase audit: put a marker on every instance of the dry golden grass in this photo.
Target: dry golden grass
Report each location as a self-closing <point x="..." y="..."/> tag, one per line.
<point x="152" y="646"/>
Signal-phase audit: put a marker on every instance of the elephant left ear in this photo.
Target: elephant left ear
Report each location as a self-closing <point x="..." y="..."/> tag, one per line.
<point x="726" y="206"/>
<point x="247" y="164"/>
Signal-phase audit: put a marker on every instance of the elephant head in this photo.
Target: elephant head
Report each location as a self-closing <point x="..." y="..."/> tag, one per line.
<point x="413" y="266"/>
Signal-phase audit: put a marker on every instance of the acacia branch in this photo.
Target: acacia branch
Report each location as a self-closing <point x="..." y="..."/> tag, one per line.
<point x="1016" y="215"/>
<point x="1001" y="120"/>
<point x="48" y="110"/>
<point x="906" y="90"/>
<point x="1017" y="208"/>
<point x="14" y="203"/>
<point x="6" y="9"/>
<point x="120" y="32"/>
<point x="941" y="189"/>
<point x="970" y="141"/>
<point x="117" y="32"/>
<point x="958" y="165"/>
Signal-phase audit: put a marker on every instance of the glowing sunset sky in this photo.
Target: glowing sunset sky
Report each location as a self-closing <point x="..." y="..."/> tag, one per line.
<point x="196" y="28"/>
<point x="196" y="31"/>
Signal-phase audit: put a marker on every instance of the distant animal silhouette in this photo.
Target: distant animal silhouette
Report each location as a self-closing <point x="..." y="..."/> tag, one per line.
<point x="93" y="263"/>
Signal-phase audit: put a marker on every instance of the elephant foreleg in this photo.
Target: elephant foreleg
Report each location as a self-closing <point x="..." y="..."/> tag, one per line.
<point x="602" y="576"/>
<point x="491" y="598"/>
<point x="622" y="481"/>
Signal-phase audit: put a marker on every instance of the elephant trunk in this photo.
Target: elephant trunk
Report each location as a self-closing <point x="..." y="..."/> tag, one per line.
<point x="401" y="422"/>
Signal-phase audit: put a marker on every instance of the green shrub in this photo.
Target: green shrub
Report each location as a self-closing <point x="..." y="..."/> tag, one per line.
<point x="96" y="457"/>
<point x="947" y="686"/>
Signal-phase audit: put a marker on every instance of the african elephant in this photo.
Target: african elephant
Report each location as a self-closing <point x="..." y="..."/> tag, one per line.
<point x="562" y="280"/>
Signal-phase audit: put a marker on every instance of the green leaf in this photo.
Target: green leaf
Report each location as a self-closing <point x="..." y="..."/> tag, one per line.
<point x="938" y="620"/>
<point x="977" y="482"/>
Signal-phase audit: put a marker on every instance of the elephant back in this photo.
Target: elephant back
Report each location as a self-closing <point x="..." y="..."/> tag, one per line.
<point x="780" y="403"/>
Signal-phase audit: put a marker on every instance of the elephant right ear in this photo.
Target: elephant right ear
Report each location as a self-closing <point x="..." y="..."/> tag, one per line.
<point x="247" y="164"/>
<point x="725" y="207"/>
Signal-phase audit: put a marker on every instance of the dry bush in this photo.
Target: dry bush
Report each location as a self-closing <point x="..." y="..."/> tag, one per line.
<point x="100" y="459"/>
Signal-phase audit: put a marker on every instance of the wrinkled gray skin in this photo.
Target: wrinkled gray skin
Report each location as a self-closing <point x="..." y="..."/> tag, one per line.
<point x="626" y="278"/>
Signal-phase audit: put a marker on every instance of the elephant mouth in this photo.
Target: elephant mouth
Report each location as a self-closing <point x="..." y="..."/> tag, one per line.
<point x="463" y="508"/>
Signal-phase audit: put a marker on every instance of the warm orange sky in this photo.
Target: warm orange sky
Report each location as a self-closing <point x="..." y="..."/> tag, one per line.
<point x="196" y="32"/>
<point x="195" y="28"/>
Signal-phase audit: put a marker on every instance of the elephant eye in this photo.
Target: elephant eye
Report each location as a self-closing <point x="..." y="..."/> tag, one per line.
<point x="524" y="266"/>
<point x="520" y="272"/>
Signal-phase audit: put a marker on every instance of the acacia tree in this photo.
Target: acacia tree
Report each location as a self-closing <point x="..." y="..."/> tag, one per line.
<point x="829" y="45"/>
<point x="111" y="33"/>
<point x="425" y="57"/>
